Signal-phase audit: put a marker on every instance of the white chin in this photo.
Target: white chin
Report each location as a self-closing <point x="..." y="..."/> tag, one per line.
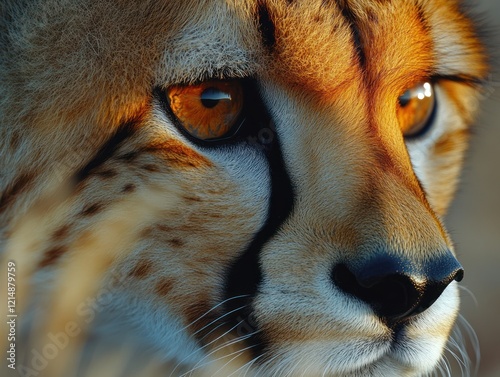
<point x="357" y="360"/>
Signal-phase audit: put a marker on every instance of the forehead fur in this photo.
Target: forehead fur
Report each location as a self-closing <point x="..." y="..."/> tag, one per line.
<point x="76" y="52"/>
<point x="397" y="41"/>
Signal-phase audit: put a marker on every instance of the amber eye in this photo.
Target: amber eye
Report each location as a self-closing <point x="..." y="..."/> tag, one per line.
<point x="207" y="111"/>
<point x="415" y="109"/>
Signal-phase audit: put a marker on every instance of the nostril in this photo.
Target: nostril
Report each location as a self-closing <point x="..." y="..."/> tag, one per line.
<point x="395" y="288"/>
<point x="458" y="275"/>
<point x="391" y="296"/>
<point x="434" y="289"/>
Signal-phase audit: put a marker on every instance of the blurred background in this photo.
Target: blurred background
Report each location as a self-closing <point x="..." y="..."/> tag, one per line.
<point x="474" y="218"/>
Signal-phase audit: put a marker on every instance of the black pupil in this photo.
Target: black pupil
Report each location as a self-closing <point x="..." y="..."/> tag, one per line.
<point x="210" y="97"/>
<point x="405" y="98"/>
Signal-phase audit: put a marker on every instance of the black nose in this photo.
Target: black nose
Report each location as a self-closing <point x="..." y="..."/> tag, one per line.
<point x="395" y="288"/>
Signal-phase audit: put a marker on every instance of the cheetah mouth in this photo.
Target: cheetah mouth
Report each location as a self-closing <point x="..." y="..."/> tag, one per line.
<point x="370" y="359"/>
<point x="415" y="356"/>
<point x="410" y="344"/>
<point x="404" y="347"/>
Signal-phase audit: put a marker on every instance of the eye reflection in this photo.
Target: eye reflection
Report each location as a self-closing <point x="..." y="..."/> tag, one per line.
<point x="211" y="97"/>
<point x="415" y="109"/>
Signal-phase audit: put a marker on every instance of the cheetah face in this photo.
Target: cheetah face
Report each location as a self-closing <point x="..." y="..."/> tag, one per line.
<point x="299" y="157"/>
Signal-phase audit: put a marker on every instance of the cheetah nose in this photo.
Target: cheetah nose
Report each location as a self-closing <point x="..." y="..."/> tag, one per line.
<point x="395" y="288"/>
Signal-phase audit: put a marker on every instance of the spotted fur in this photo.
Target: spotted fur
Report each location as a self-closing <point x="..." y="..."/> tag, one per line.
<point x="229" y="258"/>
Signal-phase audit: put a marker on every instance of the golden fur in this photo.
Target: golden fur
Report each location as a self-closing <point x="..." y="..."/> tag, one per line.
<point x="102" y="196"/>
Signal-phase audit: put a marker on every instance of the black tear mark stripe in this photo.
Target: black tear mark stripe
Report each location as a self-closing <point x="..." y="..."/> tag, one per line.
<point x="352" y="21"/>
<point x="266" y="27"/>
<point x="108" y="150"/>
<point x="245" y="275"/>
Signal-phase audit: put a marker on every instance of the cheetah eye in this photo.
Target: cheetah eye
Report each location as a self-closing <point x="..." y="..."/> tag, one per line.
<point x="207" y="111"/>
<point x="415" y="109"/>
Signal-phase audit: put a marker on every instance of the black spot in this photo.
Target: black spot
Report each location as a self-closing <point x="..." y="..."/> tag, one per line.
<point x="60" y="233"/>
<point x="130" y="187"/>
<point x="107" y="173"/>
<point x="191" y="198"/>
<point x="15" y="140"/>
<point x="164" y="286"/>
<point x="21" y="183"/>
<point x="129" y="156"/>
<point x="142" y="269"/>
<point x="91" y="210"/>
<point x="151" y="168"/>
<point x="52" y="256"/>
<point x="176" y="242"/>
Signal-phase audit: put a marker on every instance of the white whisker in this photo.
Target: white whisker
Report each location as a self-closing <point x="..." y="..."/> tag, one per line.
<point x="219" y="318"/>
<point x="217" y="348"/>
<point x="239" y="353"/>
<point x="234" y="341"/>
<point x="214" y="329"/>
<point x="201" y="348"/>
<point x="226" y="344"/>
<point x="214" y="321"/>
<point x="264" y="366"/>
<point x="461" y="340"/>
<point x="470" y="293"/>
<point x="210" y="310"/>
<point x="247" y="365"/>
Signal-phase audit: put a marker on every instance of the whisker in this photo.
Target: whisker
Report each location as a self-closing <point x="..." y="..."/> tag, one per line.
<point x="201" y="348"/>
<point x="233" y="341"/>
<point x="281" y="369"/>
<point x="473" y="340"/>
<point x="246" y="365"/>
<point x="443" y="367"/>
<point x="213" y="329"/>
<point x="264" y="366"/>
<point x="210" y="310"/>
<point x="447" y="367"/>
<point x="270" y="361"/>
<point x="463" y="338"/>
<point x="239" y="353"/>
<point x="227" y="344"/>
<point x="250" y="365"/>
<point x="219" y="318"/>
<point x="469" y="293"/>
<point x="460" y="362"/>
<point x="214" y="340"/>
